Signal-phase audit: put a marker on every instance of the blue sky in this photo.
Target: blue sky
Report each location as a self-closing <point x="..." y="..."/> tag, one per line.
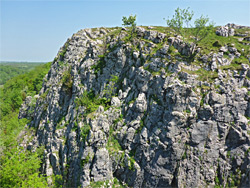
<point x="34" y="30"/>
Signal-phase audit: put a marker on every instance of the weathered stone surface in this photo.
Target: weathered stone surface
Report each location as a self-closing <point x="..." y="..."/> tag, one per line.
<point x="158" y="125"/>
<point x="225" y="31"/>
<point x="102" y="169"/>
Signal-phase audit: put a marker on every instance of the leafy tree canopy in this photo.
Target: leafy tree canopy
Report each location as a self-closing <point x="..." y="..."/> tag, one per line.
<point x="201" y="28"/>
<point x="130" y="21"/>
<point x="18" y="167"/>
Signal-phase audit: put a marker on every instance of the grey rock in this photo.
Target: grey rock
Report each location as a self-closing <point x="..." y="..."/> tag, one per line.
<point x="140" y="31"/>
<point x="240" y="35"/>
<point x="201" y="132"/>
<point x="101" y="167"/>
<point x="223" y="49"/>
<point x="232" y="49"/>
<point x="164" y="49"/>
<point x="225" y="31"/>
<point x="247" y="39"/>
<point x="115" y="101"/>
<point x="141" y="103"/>
<point x="213" y="66"/>
<point x="163" y="127"/>
<point x="151" y="35"/>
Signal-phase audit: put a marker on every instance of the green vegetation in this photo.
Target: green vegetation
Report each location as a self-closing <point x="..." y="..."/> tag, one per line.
<point x="98" y="184"/>
<point x="115" y="183"/>
<point x="181" y="16"/>
<point x="177" y="22"/>
<point x="86" y="160"/>
<point x="131" y="164"/>
<point x="67" y="79"/>
<point x="118" y="119"/>
<point x="110" y="88"/>
<point x="184" y="156"/>
<point x="15" y="90"/>
<point x="91" y="102"/>
<point x="130" y="21"/>
<point x="141" y="124"/>
<point x="213" y="42"/>
<point x="85" y="131"/>
<point x="232" y="66"/>
<point x="98" y="67"/>
<point x="63" y="52"/>
<point x="9" y="70"/>
<point x="113" y="145"/>
<point x="19" y="167"/>
<point x="202" y="28"/>
<point x="203" y="75"/>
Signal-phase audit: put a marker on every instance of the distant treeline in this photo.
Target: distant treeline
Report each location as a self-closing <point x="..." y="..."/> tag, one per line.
<point x="9" y="70"/>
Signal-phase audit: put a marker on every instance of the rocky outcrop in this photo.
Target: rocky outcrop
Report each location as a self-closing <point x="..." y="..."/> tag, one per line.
<point x="129" y="109"/>
<point x="225" y="31"/>
<point x="235" y="26"/>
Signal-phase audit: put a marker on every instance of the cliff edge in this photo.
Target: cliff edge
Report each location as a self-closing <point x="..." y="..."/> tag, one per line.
<point x="149" y="110"/>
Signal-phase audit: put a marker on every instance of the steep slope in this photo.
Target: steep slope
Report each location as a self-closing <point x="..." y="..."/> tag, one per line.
<point x="151" y="111"/>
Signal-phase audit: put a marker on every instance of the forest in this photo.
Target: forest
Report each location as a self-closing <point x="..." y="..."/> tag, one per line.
<point x="9" y="70"/>
<point x="18" y="167"/>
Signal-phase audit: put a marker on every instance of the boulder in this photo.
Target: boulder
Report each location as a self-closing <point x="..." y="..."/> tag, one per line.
<point x="225" y="31"/>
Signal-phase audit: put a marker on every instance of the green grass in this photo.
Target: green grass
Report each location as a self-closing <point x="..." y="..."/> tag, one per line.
<point x="232" y="66"/>
<point x="213" y="42"/>
<point x="236" y="64"/>
<point x="91" y="102"/>
<point x="118" y="119"/>
<point x="242" y="31"/>
<point x="131" y="164"/>
<point x="203" y="75"/>
<point x="113" y="145"/>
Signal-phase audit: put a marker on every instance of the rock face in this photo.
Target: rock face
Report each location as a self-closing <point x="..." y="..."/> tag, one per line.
<point x="225" y="31"/>
<point x="110" y="107"/>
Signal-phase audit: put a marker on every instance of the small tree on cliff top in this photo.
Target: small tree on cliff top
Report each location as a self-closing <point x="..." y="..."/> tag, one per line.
<point x="130" y="22"/>
<point x="202" y="26"/>
<point x="180" y="17"/>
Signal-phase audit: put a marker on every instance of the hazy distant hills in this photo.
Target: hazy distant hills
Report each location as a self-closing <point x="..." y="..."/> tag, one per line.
<point x="9" y="69"/>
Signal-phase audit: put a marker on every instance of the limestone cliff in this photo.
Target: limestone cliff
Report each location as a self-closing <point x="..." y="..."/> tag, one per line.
<point x="150" y="111"/>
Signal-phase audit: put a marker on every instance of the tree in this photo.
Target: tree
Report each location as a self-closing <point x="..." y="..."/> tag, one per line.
<point x="130" y="22"/>
<point x="180" y="17"/>
<point x="20" y="168"/>
<point x="202" y="28"/>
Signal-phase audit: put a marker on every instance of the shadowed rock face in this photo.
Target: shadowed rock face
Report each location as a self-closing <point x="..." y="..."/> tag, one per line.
<point x="159" y="126"/>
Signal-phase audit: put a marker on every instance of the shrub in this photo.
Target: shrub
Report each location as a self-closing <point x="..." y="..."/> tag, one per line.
<point x="202" y="26"/>
<point x="67" y="79"/>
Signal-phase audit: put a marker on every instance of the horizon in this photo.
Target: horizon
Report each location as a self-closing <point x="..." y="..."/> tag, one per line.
<point x="23" y="61"/>
<point x="34" y="31"/>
